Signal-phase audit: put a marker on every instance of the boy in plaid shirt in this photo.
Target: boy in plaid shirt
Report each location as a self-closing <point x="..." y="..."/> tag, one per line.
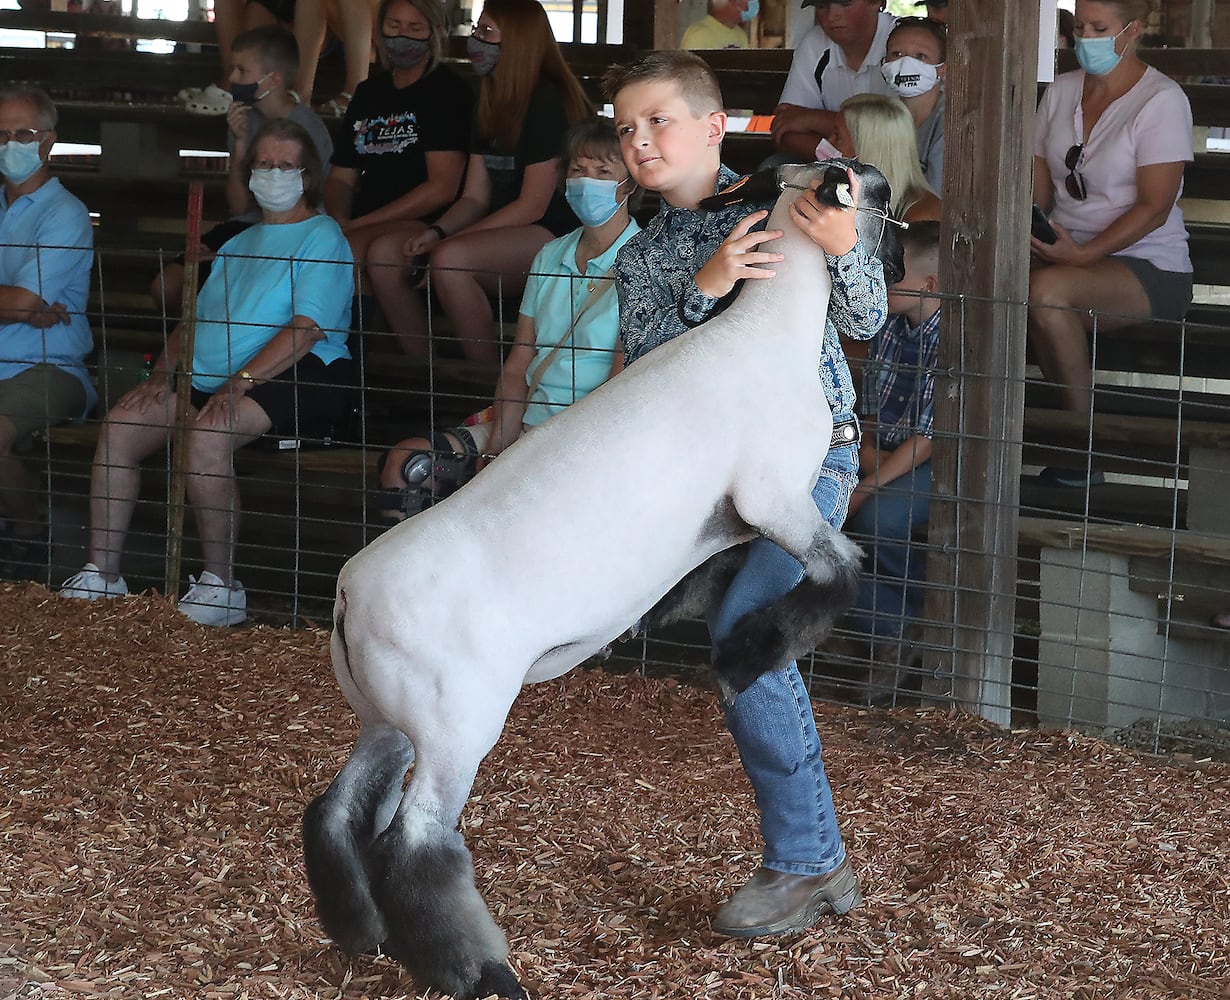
<point x="893" y="493"/>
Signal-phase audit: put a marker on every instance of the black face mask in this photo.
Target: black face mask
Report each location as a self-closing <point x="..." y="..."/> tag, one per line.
<point x="405" y="53"/>
<point x="245" y="93"/>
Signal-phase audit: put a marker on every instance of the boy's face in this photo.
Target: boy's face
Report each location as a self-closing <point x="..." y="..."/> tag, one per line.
<point x="246" y="68"/>
<point x="664" y="145"/>
<point x="904" y="297"/>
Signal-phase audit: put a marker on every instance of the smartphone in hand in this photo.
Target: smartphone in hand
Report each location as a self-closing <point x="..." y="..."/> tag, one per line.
<point x="1041" y="228"/>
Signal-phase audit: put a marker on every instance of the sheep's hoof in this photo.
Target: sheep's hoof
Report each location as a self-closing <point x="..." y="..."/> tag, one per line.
<point x="497" y="979"/>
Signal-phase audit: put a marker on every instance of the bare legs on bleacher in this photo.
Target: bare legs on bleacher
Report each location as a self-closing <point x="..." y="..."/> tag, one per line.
<point x="1059" y="297"/>
<point x="465" y="270"/>
<point x="352" y="21"/>
<point x="127" y="438"/>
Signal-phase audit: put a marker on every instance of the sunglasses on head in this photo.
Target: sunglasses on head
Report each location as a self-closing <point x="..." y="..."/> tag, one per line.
<point x="1074" y="182"/>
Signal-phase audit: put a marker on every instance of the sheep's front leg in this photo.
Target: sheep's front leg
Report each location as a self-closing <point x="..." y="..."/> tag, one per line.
<point x="793" y="624"/>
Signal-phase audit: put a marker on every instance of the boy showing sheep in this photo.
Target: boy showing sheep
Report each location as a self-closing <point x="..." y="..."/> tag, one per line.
<point x="680" y="271"/>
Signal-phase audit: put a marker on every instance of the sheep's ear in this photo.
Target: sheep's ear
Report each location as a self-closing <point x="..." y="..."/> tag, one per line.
<point x="761" y="186"/>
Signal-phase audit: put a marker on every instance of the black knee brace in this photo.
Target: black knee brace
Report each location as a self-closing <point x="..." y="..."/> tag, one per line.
<point x="430" y="476"/>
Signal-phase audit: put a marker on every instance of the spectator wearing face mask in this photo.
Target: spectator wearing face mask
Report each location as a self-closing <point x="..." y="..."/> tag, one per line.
<point x="401" y="151"/>
<point x="46" y="251"/>
<point x="510" y="208"/>
<point x="914" y="68"/>
<point x="1110" y="145"/>
<point x="263" y="64"/>
<point x="567" y="341"/>
<point x="722" y="27"/>
<point x="269" y="356"/>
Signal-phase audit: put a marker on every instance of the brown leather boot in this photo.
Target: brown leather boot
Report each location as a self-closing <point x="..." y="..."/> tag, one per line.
<point x="778" y="903"/>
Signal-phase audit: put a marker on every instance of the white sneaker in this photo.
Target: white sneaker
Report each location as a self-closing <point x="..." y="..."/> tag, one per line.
<point x="211" y="100"/>
<point x="90" y="585"/>
<point x="209" y="601"/>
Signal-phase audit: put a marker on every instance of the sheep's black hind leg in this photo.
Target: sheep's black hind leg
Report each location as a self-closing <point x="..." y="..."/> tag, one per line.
<point x="795" y="623"/>
<point x="698" y="593"/>
<point x="340" y="826"/>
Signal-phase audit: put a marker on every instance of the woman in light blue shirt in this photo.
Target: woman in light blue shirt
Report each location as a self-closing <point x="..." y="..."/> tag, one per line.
<point x="269" y="356"/>
<point x="567" y="341"/>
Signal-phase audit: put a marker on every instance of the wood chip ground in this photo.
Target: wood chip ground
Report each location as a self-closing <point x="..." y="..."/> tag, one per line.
<point x="153" y="774"/>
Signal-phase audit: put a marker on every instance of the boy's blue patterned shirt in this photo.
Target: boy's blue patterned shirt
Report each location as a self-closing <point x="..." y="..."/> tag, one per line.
<point x="658" y="299"/>
<point x="899" y="380"/>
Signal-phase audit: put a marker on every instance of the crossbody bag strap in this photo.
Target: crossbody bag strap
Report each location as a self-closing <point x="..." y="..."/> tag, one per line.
<point x="603" y="285"/>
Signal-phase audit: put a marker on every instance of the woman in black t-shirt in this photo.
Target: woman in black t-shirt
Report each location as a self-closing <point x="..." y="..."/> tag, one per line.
<point x="402" y="149"/>
<point x="511" y="205"/>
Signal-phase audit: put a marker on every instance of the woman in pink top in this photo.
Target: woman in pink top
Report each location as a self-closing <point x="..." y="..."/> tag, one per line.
<point x="1111" y="142"/>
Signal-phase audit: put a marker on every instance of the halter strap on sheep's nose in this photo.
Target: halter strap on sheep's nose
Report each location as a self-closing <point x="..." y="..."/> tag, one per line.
<point x="845" y="189"/>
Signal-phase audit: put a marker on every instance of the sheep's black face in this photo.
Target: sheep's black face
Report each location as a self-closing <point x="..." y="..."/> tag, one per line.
<point x="879" y="235"/>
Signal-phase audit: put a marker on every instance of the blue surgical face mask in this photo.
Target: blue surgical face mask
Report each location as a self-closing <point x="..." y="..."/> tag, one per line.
<point x="753" y="8"/>
<point x="19" y="161"/>
<point x="1097" y="56"/>
<point x="276" y="190"/>
<point x="594" y="201"/>
<point x="483" y="55"/>
<point x="246" y="93"/>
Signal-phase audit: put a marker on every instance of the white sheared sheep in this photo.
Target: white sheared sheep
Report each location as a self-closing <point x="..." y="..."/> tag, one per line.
<point x="546" y="558"/>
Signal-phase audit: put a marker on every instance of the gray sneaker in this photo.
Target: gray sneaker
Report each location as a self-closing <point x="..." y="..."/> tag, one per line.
<point x="779" y="903"/>
<point x="209" y="601"/>
<point x="89" y="585"/>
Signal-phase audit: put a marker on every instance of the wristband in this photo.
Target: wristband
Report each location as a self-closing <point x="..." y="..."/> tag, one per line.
<point x="247" y="376"/>
<point x="438" y="231"/>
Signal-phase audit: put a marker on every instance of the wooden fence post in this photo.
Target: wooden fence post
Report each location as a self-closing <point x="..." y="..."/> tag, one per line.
<point x="979" y="395"/>
<point x="183" y="390"/>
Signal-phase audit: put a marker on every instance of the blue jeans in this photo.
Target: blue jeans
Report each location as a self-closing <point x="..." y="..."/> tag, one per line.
<point x="890" y="594"/>
<point x="772" y="721"/>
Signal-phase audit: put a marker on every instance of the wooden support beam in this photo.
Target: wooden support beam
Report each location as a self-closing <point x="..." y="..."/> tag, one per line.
<point x="979" y="396"/>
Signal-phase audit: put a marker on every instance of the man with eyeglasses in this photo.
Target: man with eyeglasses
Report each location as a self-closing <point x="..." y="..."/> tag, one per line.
<point x="836" y="59"/>
<point x="46" y="252"/>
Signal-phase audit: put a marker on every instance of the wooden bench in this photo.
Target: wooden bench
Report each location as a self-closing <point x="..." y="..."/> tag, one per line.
<point x="1125" y="629"/>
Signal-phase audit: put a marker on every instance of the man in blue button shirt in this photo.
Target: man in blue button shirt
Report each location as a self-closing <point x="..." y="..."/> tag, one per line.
<point x="46" y="251"/>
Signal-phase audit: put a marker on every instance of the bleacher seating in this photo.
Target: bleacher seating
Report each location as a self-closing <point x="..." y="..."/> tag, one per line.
<point x="104" y="95"/>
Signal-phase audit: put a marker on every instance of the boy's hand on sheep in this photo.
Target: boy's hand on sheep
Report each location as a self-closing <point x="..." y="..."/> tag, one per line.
<point x="737" y="256"/>
<point x="830" y="227"/>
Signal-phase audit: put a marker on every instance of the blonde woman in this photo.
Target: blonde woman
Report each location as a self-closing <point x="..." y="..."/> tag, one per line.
<point x="880" y="130"/>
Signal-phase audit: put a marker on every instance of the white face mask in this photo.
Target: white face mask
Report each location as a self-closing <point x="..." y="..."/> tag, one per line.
<point x="276" y="190"/>
<point x="910" y="77"/>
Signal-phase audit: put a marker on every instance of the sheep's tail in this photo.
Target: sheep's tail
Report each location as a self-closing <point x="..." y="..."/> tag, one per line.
<point x="439" y="928"/>
<point x="794" y="624"/>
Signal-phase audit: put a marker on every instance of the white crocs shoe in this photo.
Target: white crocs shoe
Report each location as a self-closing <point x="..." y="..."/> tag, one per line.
<point x="209" y="601"/>
<point x="211" y="100"/>
<point x="90" y="585"/>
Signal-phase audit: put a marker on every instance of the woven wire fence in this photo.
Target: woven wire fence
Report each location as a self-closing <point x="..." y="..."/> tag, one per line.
<point x="1117" y="584"/>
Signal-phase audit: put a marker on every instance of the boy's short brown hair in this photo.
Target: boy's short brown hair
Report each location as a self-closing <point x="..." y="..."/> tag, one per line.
<point x="276" y="50"/>
<point x="697" y="83"/>
<point x="922" y="242"/>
